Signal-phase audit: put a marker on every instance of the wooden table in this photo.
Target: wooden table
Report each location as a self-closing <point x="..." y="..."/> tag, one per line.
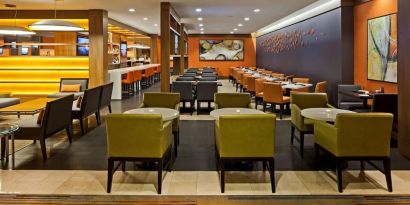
<point x="363" y="96"/>
<point x="26" y="108"/>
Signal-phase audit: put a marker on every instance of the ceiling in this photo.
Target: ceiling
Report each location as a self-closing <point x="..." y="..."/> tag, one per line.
<point x="219" y="16"/>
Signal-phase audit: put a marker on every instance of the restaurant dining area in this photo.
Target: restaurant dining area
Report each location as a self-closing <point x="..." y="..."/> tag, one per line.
<point x="204" y="102"/>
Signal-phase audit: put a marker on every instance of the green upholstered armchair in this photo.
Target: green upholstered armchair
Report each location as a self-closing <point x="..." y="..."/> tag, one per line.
<point x="137" y="137"/>
<point x="357" y="136"/>
<point x="245" y="138"/>
<point x="300" y="101"/>
<point x="232" y="100"/>
<point x="164" y="100"/>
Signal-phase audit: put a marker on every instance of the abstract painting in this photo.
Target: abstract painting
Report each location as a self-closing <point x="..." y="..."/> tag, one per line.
<point x="221" y="50"/>
<point x="382" y="49"/>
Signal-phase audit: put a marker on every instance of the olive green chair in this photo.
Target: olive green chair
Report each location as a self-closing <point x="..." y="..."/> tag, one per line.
<point x="357" y="136"/>
<point x="232" y="100"/>
<point x="245" y="138"/>
<point x="165" y="100"/>
<point x="300" y="101"/>
<point x="137" y="137"/>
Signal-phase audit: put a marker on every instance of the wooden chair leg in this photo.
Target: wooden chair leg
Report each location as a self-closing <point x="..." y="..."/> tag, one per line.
<point x="3" y="147"/>
<point x="176" y="144"/>
<point x="123" y="166"/>
<point x="387" y="173"/>
<point x="82" y="126"/>
<point x="109" y="108"/>
<point x="292" y="134"/>
<point x="264" y="166"/>
<point x="362" y="165"/>
<point x="281" y="111"/>
<point x="68" y="130"/>
<point x="160" y="167"/>
<point x="222" y="168"/>
<point x="339" y="174"/>
<point x="272" y="174"/>
<point x="43" y="148"/>
<point x="302" y="143"/>
<point x="109" y="175"/>
<point x="264" y="106"/>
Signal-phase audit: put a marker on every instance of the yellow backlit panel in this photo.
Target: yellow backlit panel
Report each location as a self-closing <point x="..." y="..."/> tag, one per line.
<point x="44" y="63"/>
<point x="27" y="22"/>
<point x="29" y="88"/>
<point x="39" y="75"/>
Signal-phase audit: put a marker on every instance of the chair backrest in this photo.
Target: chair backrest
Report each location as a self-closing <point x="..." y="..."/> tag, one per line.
<point x="259" y="85"/>
<point x="321" y="87"/>
<point x="246" y="135"/>
<point x="106" y="92"/>
<point x="206" y="90"/>
<point x="209" y="75"/>
<point x="347" y="88"/>
<point x="134" y="135"/>
<point x="239" y="78"/>
<point x="184" y="88"/>
<point x="208" y="70"/>
<point x="272" y="92"/>
<point x="208" y="78"/>
<point x="232" y="100"/>
<point x="164" y="100"/>
<point x="386" y="102"/>
<point x="300" y="80"/>
<point x="250" y="82"/>
<point x="91" y="101"/>
<point x="57" y="115"/>
<point x="189" y="74"/>
<point x="185" y="79"/>
<point x="73" y="81"/>
<point x="364" y="134"/>
<point x="137" y="75"/>
<point x="309" y="100"/>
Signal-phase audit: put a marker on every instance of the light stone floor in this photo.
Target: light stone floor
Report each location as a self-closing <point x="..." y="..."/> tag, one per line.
<point x="198" y="183"/>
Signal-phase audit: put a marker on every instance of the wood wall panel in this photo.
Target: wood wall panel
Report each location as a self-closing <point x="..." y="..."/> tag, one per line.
<point x="65" y="37"/>
<point x="165" y="45"/>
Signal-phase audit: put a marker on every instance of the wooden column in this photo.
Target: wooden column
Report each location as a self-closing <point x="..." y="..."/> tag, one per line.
<point x="98" y="22"/>
<point x="165" y="45"/>
<point x="404" y="76"/>
<point x="182" y="49"/>
<point x="154" y="49"/>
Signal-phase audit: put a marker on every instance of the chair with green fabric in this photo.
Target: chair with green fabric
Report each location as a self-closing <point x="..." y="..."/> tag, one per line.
<point x="357" y="136"/>
<point x="300" y="101"/>
<point x="245" y="138"/>
<point x="164" y="100"/>
<point x="137" y="137"/>
<point x="232" y="100"/>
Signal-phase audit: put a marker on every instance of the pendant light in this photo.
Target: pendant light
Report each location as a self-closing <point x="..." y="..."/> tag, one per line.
<point x="14" y="30"/>
<point x="55" y="24"/>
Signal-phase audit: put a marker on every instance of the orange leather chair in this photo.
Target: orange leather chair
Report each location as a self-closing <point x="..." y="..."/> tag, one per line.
<point x="301" y="80"/>
<point x="273" y="94"/>
<point x="250" y="84"/>
<point x="239" y="82"/>
<point x="245" y="81"/>
<point x="321" y="87"/>
<point x="258" y="91"/>
<point x="128" y="84"/>
<point x="157" y="73"/>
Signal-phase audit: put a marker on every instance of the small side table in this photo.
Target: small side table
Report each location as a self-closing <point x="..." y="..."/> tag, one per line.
<point x="6" y="132"/>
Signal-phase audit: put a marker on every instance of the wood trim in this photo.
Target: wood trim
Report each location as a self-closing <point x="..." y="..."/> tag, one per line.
<point x="126" y="26"/>
<point x="154" y="49"/>
<point x="44" y="14"/>
<point x="165" y="45"/>
<point x="221" y="35"/>
<point x="98" y="29"/>
<point x="182" y="50"/>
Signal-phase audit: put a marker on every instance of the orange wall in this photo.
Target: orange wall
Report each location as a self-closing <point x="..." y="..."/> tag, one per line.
<point x="222" y="66"/>
<point x="362" y="13"/>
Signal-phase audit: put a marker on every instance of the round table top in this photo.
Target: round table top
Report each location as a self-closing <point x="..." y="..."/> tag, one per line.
<point x="166" y="113"/>
<point x="323" y="114"/>
<point x="234" y="111"/>
<point x="6" y="128"/>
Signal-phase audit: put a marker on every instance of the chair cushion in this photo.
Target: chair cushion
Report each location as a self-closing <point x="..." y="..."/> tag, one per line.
<point x="40" y="117"/>
<point x="70" y="88"/>
<point x="5" y="102"/>
<point x="286" y="99"/>
<point x="61" y="94"/>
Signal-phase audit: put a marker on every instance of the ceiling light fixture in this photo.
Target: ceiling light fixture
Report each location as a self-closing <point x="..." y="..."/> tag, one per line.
<point x="202" y="32"/>
<point x="145" y="19"/>
<point x="131" y="10"/>
<point x="14" y="30"/>
<point x="232" y="32"/>
<point x="247" y="19"/>
<point x="200" y="25"/>
<point x="198" y="10"/>
<point x="201" y="29"/>
<point x="240" y="25"/>
<point x="155" y="25"/>
<point x="256" y="10"/>
<point x="200" y="18"/>
<point x="235" y="29"/>
<point x="55" y="24"/>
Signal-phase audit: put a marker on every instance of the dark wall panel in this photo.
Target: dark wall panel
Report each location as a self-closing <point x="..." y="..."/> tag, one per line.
<point x="317" y="50"/>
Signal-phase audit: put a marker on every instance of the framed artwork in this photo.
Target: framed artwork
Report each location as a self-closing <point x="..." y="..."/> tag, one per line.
<point x="382" y="48"/>
<point x="221" y="50"/>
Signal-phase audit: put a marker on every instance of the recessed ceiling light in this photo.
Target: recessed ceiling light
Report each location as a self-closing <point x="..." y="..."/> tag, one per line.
<point x="155" y="25"/>
<point x="232" y="32"/>
<point x="256" y="10"/>
<point x="131" y="10"/>
<point x="235" y="29"/>
<point x="247" y="19"/>
<point x="200" y="18"/>
<point x="145" y="19"/>
<point x="202" y="32"/>
<point x="198" y="10"/>
<point x="200" y="25"/>
<point x="240" y="25"/>
<point x="201" y="29"/>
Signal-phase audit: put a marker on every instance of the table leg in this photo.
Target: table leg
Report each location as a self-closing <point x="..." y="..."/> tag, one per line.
<point x="365" y="103"/>
<point x="12" y="151"/>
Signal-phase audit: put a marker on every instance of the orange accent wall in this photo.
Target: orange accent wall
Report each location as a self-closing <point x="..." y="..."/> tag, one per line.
<point x="222" y="66"/>
<point x="362" y="13"/>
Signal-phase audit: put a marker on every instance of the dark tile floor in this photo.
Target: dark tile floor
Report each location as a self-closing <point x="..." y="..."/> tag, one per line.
<point x="196" y="150"/>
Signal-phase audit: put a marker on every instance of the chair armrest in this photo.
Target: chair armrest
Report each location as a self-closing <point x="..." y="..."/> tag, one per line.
<point x="142" y="105"/>
<point x="216" y="106"/>
<point x="326" y="127"/>
<point x="330" y="106"/>
<point x="177" y="106"/>
<point x="167" y="126"/>
<point x="250" y="106"/>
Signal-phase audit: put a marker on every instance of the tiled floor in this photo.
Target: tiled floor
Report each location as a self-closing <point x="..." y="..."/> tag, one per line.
<point x="79" y="168"/>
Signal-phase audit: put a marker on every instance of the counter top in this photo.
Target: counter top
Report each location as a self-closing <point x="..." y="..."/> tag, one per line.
<point x="132" y="68"/>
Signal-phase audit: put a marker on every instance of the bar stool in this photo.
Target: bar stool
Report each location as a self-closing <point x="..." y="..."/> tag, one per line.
<point x="128" y="84"/>
<point x="137" y="79"/>
<point x="158" y="73"/>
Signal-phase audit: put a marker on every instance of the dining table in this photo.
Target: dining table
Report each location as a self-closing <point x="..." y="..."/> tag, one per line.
<point x="166" y="113"/>
<point x="234" y="111"/>
<point x="323" y="114"/>
<point x="364" y="95"/>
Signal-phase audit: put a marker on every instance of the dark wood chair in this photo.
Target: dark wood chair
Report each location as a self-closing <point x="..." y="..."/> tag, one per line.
<point x="105" y="98"/>
<point x="89" y="106"/>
